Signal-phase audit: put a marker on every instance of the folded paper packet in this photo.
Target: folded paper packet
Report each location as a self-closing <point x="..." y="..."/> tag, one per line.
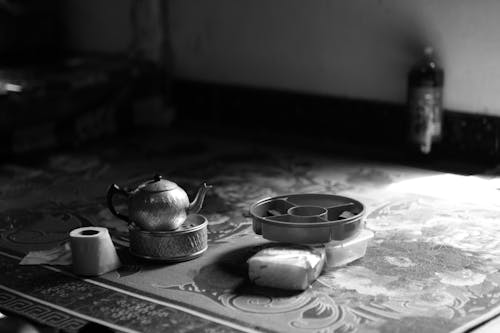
<point x="60" y="255"/>
<point x="286" y="267"/>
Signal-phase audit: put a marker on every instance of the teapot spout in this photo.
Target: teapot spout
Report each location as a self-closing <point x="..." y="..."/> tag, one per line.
<point x="195" y="206"/>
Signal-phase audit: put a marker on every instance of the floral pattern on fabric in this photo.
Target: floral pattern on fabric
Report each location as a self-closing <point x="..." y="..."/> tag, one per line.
<point x="432" y="266"/>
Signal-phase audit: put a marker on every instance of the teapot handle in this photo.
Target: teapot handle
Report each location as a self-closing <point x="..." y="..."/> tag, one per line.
<point x="112" y="190"/>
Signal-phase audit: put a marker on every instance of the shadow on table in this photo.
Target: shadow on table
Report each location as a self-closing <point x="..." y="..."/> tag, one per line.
<point x="227" y="273"/>
<point x="235" y="263"/>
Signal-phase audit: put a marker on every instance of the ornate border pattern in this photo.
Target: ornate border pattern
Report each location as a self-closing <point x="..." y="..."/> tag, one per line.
<point x="39" y="312"/>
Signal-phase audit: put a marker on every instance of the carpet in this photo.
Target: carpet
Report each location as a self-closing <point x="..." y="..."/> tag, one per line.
<point x="431" y="267"/>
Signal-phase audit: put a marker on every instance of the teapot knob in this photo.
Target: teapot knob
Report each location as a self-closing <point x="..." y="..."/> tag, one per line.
<point x="157" y="177"/>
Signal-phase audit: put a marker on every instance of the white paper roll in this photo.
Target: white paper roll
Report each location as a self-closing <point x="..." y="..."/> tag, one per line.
<point x="93" y="251"/>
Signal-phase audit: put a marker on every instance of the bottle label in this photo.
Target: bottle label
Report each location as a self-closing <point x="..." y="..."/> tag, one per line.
<point x="425" y="107"/>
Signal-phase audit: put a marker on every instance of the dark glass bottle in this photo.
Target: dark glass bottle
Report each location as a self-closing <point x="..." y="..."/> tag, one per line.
<point x="425" y="102"/>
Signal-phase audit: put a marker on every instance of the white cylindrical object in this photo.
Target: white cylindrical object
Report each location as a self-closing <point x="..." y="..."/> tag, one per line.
<point x="93" y="251"/>
<point x="339" y="253"/>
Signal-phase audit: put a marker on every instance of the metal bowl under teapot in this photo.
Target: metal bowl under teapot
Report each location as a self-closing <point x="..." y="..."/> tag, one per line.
<point x="158" y="204"/>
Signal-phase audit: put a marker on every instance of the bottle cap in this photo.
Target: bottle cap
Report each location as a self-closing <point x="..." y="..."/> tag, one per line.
<point x="429" y="50"/>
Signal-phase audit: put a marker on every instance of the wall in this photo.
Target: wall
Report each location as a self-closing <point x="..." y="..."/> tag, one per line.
<point x="95" y="25"/>
<point x="353" y="48"/>
<point x="133" y="27"/>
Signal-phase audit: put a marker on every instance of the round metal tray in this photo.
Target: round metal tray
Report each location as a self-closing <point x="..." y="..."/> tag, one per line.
<point x="307" y="218"/>
<point x="187" y="242"/>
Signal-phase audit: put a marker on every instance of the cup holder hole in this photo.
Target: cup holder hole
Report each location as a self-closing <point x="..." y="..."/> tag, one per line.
<point x="89" y="232"/>
<point x="307" y="211"/>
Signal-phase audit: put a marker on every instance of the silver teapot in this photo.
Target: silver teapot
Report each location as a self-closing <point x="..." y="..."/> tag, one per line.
<point x="158" y="204"/>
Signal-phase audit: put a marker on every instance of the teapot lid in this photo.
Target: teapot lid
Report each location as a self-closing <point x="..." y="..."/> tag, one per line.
<point x="158" y="184"/>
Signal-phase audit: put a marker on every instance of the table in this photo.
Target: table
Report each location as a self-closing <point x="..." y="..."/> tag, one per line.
<point x="431" y="267"/>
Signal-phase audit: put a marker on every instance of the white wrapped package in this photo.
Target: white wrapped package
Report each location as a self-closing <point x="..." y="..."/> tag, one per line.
<point x="286" y="267"/>
<point x="339" y="253"/>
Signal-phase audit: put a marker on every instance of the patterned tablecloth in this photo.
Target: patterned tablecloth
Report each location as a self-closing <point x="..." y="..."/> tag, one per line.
<point x="431" y="267"/>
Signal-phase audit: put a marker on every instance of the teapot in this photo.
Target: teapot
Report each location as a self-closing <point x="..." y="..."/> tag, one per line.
<point x="158" y="204"/>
